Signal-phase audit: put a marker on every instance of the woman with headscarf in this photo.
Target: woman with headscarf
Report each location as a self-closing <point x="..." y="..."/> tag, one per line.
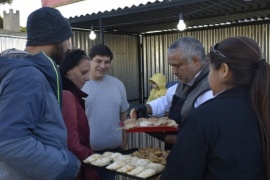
<point x="74" y="72"/>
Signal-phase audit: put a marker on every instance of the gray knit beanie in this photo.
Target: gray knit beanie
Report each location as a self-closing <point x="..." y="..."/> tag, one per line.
<point x="47" y="26"/>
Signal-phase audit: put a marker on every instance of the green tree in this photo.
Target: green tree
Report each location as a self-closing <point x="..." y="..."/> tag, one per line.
<point x="22" y="29"/>
<point x="5" y="1"/>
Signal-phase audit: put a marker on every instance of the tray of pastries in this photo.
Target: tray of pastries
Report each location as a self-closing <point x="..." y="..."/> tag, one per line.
<point x="144" y="163"/>
<point x="152" y="124"/>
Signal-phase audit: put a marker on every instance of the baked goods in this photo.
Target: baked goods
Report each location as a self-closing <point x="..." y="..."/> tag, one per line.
<point x="146" y="173"/>
<point x="154" y="155"/>
<point x="146" y="123"/>
<point x="92" y="158"/>
<point x="107" y="153"/>
<point x="126" y="168"/>
<point x="102" y="161"/>
<point x="149" y="122"/>
<point x="156" y="166"/>
<point x="136" y="170"/>
<point x="141" y="165"/>
<point x="114" y="155"/>
<point x="116" y="165"/>
<point x="133" y="114"/>
<point x="130" y="123"/>
<point x="122" y="158"/>
<point x="172" y="123"/>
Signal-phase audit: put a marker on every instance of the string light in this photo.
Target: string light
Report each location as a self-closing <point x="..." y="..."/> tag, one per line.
<point x="181" y="25"/>
<point x="92" y="34"/>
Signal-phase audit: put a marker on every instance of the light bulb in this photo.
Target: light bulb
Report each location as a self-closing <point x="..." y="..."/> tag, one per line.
<point x="92" y="35"/>
<point x="181" y="25"/>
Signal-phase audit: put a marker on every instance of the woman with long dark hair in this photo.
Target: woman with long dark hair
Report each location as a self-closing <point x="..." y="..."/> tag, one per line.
<point x="228" y="137"/>
<point x="74" y="73"/>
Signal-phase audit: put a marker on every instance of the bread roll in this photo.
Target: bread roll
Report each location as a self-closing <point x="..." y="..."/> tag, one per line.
<point x="156" y="166"/>
<point x="102" y="161"/>
<point x="116" y="165"/>
<point x="146" y="124"/>
<point x="130" y="123"/>
<point x="146" y="173"/>
<point x="136" y="170"/>
<point x="107" y="153"/>
<point x="92" y="158"/>
<point x="133" y="114"/>
<point x="126" y="168"/>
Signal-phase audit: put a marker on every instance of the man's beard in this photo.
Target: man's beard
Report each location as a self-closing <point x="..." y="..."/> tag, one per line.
<point x="57" y="53"/>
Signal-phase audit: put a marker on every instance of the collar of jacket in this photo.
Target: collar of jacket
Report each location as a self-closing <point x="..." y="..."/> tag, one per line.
<point x="70" y="86"/>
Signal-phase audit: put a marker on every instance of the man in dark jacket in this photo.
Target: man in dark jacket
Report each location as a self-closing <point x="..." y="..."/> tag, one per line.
<point x="33" y="137"/>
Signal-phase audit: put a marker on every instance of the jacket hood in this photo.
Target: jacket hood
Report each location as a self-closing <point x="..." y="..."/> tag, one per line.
<point x="13" y="58"/>
<point x="159" y="79"/>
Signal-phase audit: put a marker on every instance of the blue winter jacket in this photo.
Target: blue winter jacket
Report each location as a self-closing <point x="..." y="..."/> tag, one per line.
<point x="33" y="137"/>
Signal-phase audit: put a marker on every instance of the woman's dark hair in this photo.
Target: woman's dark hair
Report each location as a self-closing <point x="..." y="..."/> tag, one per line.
<point x="72" y="59"/>
<point x="249" y="68"/>
<point x="100" y="49"/>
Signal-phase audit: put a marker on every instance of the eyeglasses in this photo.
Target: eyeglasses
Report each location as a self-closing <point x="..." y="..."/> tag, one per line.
<point x="213" y="49"/>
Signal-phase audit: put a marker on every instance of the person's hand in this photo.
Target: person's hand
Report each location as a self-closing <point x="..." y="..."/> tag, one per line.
<point x="140" y="110"/>
<point x="170" y="139"/>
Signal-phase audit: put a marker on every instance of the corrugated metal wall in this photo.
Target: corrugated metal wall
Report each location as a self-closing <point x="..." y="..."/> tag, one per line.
<point x="126" y="58"/>
<point x="155" y="46"/>
<point x="7" y="42"/>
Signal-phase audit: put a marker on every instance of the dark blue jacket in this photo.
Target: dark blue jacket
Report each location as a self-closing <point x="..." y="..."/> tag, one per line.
<point x="33" y="137"/>
<point x="220" y="139"/>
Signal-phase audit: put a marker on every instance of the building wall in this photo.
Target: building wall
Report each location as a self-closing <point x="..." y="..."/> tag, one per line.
<point x="11" y="41"/>
<point x="125" y="62"/>
<point x="11" y="21"/>
<point x="155" y="46"/>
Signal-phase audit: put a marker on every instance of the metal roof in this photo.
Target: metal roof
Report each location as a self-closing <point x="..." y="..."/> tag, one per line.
<point x="164" y="16"/>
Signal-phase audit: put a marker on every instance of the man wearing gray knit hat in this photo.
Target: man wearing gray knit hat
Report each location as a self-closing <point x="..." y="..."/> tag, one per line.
<point x="47" y="27"/>
<point x="33" y="136"/>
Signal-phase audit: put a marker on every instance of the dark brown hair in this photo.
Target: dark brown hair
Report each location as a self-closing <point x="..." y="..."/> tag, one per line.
<point x="249" y="68"/>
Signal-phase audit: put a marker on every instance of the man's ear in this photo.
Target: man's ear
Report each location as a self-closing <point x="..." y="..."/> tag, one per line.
<point x="196" y="60"/>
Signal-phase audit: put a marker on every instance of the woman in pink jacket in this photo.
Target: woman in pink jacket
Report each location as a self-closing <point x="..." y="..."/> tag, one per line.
<point x="74" y="72"/>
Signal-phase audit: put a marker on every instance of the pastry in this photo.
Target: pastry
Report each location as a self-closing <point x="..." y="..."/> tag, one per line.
<point x="107" y="153"/>
<point x="142" y="162"/>
<point x="115" y="155"/>
<point x="133" y="114"/>
<point x="92" y="158"/>
<point x="161" y="122"/>
<point x="136" y="170"/>
<point x="130" y="123"/>
<point x="126" y="168"/>
<point x="146" y="123"/>
<point x="116" y="165"/>
<point x="172" y="123"/>
<point x="102" y="161"/>
<point x="122" y="158"/>
<point x="156" y="166"/>
<point x="146" y="173"/>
